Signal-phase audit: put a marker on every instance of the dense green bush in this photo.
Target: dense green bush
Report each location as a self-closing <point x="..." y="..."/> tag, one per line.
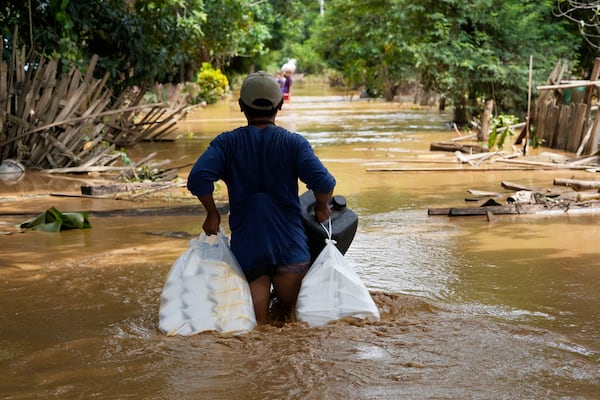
<point x="210" y="86"/>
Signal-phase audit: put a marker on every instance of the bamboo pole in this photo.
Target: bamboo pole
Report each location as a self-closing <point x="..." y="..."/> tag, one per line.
<point x="72" y="120"/>
<point x="569" y="85"/>
<point x="527" y="123"/>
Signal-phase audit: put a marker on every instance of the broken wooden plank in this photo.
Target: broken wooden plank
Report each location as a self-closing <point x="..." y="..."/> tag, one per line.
<point x="569" y="84"/>
<point x="565" y="120"/>
<point x="484" y="193"/>
<point x="486" y="156"/>
<point x="461" y="157"/>
<point x="172" y="210"/>
<point x="517" y="186"/>
<point x="442" y="169"/>
<point x="559" y="208"/>
<point x="85" y="196"/>
<point x="472" y="136"/>
<point x="99" y="190"/>
<point x="186" y="209"/>
<point x="577" y="184"/>
<point x="473" y="159"/>
<point x="543" y="164"/>
<point x="490" y="216"/>
<point x="452" y="147"/>
<point x="438" y="211"/>
<point x="587" y="145"/>
<point x="586" y="196"/>
<point x="578" y="125"/>
<point x="81" y="170"/>
<point x="472" y="211"/>
<point x="592" y="159"/>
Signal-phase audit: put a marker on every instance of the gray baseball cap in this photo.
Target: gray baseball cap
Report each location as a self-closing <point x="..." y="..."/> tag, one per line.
<point x="261" y="91"/>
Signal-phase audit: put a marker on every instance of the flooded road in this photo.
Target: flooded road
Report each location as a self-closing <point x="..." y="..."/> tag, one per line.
<point x="470" y="308"/>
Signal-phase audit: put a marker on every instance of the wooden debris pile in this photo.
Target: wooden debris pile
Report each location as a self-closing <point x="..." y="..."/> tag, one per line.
<point x="546" y="161"/>
<point x="565" y="117"/>
<point x="584" y="198"/>
<point x="489" y="161"/>
<point x="50" y="122"/>
<point x="141" y="179"/>
<point x="136" y="180"/>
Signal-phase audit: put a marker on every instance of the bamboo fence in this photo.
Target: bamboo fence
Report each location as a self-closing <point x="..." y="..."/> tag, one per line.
<point x="49" y="121"/>
<point x="571" y="126"/>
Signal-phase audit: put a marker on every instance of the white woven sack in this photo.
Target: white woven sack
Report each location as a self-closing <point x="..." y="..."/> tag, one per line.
<point x="206" y="290"/>
<point x="331" y="290"/>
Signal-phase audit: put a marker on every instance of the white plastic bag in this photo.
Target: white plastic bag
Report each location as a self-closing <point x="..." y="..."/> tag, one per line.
<point x="331" y="290"/>
<point x="206" y="290"/>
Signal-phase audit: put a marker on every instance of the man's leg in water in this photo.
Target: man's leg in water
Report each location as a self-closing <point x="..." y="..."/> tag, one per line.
<point x="260" y="288"/>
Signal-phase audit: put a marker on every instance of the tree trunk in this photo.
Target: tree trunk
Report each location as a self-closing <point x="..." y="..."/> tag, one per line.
<point x="442" y="103"/>
<point x="484" y="132"/>
<point x="462" y="116"/>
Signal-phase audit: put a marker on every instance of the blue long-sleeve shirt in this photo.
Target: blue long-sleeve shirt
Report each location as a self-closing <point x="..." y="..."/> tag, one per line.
<point x="261" y="168"/>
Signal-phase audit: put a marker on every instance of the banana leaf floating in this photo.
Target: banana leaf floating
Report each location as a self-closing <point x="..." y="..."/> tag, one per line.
<point x="53" y="220"/>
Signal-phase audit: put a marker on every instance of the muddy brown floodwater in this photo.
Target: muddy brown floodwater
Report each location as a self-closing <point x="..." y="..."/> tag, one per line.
<point x="470" y="309"/>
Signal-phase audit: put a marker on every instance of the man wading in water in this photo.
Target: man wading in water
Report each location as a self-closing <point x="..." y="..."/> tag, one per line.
<point x="261" y="163"/>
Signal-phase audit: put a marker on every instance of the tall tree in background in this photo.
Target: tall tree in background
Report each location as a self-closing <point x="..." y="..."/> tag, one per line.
<point x="291" y="32"/>
<point x="467" y="51"/>
<point x="365" y="42"/>
<point x="233" y="30"/>
<point x="138" y="41"/>
<point x="478" y="50"/>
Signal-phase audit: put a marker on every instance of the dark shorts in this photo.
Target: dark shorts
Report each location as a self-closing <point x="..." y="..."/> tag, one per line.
<point x="298" y="268"/>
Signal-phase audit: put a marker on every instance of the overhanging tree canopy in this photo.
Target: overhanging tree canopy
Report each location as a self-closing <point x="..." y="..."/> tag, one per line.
<point x="466" y="51"/>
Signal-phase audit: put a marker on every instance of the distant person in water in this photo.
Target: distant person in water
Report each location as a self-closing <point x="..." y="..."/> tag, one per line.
<point x="280" y="80"/>
<point x="261" y="164"/>
<point x="287" y="85"/>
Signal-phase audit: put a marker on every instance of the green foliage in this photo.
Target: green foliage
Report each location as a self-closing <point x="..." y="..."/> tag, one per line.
<point x="480" y="49"/>
<point x="52" y="220"/>
<point x="212" y="85"/>
<point x="371" y="51"/>
<point x="125" y="158"/>
<point x="464" y="51"/>
<point x="139" y="42"/>
<point x="145" y="173"/>
<point x="293" y="32"/>
<point x="235" y="29"/>
<point x="307" y="58"/>
<point x="500" y="130"/>
<point x="535" y="141"/>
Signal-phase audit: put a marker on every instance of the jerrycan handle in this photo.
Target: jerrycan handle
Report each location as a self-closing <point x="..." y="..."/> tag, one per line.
<point x="329" y="232"/>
